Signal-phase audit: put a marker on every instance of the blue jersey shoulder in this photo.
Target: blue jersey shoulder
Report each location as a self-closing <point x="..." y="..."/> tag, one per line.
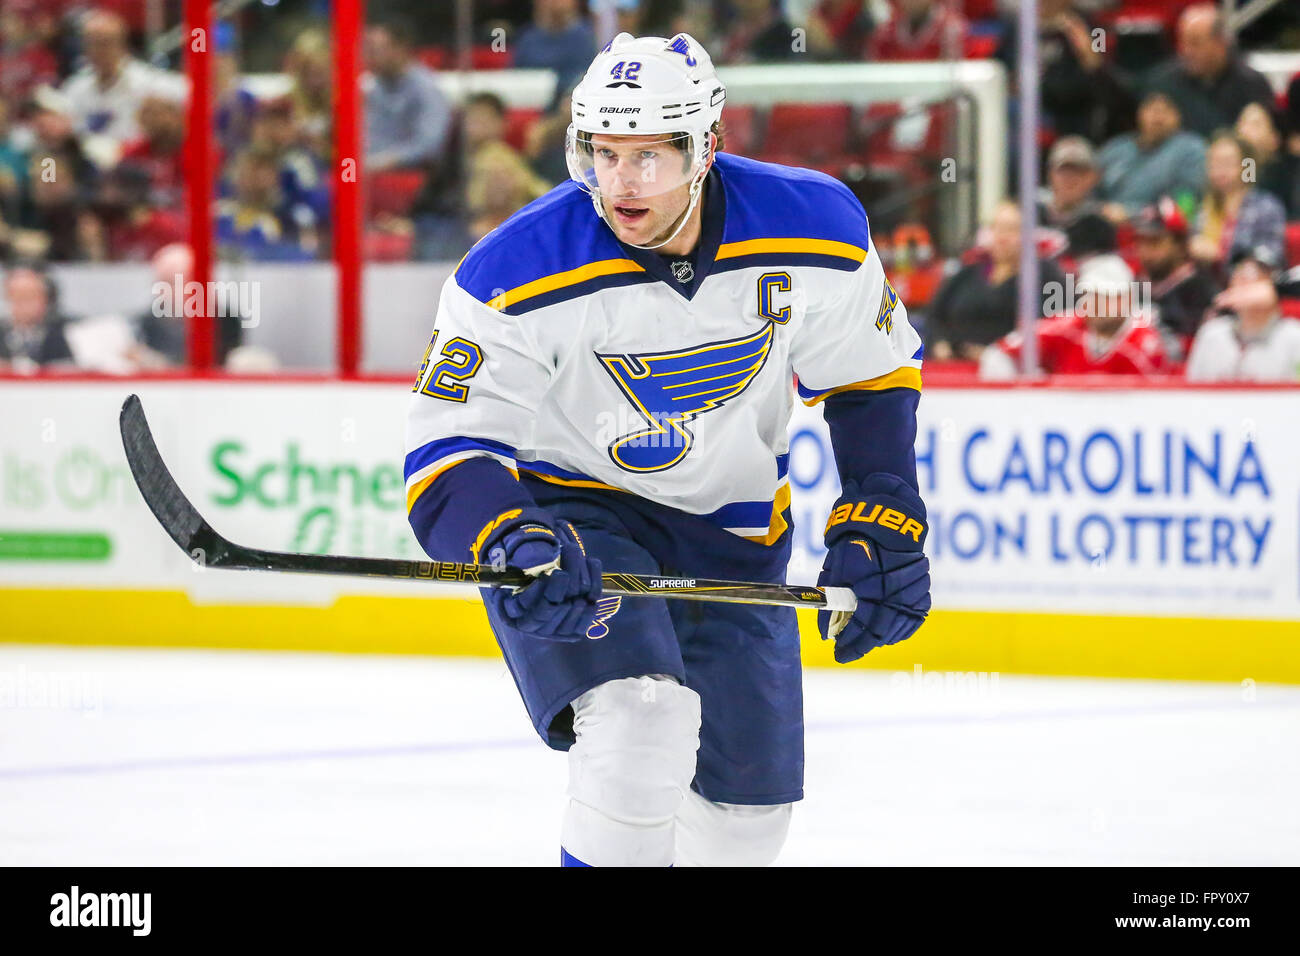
<point x="551" y="236"/>
<point x="765" y="201"/>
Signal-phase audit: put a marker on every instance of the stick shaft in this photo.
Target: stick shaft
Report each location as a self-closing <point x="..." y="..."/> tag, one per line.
<point x="192" y="533"/>
<point x="621" y="583"/>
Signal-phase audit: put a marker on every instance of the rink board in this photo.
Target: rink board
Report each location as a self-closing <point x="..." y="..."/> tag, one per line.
<point x="1063" y="542"/>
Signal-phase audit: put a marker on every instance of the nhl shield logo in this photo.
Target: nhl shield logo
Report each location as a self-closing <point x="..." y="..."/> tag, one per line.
<point x="683" y="271"/>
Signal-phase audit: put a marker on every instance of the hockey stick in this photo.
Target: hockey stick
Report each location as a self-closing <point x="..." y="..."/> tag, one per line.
<point x="184" y="525"/>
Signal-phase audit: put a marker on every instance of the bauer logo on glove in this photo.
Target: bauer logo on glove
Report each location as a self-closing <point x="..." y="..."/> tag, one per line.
<point x="865" y="513"/>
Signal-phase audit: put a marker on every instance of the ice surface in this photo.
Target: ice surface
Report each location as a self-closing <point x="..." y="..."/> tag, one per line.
<point x="133" y="757"/>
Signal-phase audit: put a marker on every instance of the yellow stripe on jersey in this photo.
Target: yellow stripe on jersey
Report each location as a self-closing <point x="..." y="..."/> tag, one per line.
<point x="821" y="247"/>
<point x="905" y="377"/>
<point x="414" y="491"/>
<point x="778" y="525"/>
<point x="592" y="270"/>
<point x="569" y="482"/>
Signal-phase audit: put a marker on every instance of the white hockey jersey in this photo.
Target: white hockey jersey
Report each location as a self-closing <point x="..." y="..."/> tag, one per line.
<point x="563" y="354"/>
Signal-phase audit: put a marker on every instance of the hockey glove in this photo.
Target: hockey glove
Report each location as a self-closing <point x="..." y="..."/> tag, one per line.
<point x="561" y="604"/>
<point x="874" y="541"/>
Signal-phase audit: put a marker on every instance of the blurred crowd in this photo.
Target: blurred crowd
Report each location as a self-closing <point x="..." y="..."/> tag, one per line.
<point x="1170" y="166"/>
<point x="1168" y="228"/>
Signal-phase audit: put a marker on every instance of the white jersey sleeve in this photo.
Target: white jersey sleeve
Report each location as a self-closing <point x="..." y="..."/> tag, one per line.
<point x="857" y="339"/>
<point x="477" y="391"/>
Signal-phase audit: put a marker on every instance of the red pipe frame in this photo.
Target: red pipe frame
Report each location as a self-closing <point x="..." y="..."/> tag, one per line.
<point x="349" y="22"/>
<point x="200" y="161"/>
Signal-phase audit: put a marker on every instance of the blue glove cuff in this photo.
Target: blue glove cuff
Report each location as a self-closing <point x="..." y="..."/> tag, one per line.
<point x="508" y="522"/>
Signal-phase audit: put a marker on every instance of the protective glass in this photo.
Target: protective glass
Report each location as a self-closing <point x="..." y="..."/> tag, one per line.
<point x="631" y="167"/>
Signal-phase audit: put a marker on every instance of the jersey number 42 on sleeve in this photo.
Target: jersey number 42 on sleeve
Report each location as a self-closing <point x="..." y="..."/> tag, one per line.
<point x="461" y="360"/>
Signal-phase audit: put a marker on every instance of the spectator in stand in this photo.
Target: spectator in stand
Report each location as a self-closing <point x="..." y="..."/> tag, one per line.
<point x="54" y="216"/>
<point x="483" y="121"/>
<point x="1207" y="79"/>
<point x="58" y="178"/>
<point x="32" y="334"/>
<point x="1181" y="289"/>
<point x="441" y="226"/>
<point x="1070" y="206"/>
<point x="630" y="17"/>
<point x="52" y="130"/>
<point x="1083" y="93"/>
<point x="1292" y="122"/>
<point x="105" y="95"/>
<point x="1159" y="159"/>
<point x="159" y="332"/>
<point x="500" y="183"/>
<point x="544" y="141"/>
<point x="248" y="226"/>
<point x="1250" y="340"/>
<point x="158" y="150"/>
<point x="758" y="33"/>
<point x="838" y="29"/>
<point x="13" y="169"/>
<point x="27" y="60"/>
<point x="919" y="30"/>
<point x="977" y="304"/>
<point x="308" y="67"/>
<point x="407" y="117"/>
<point x="697" y="19"/>
<point x="1106" y="332"/>
<point x="126" y="226"/>
<point x="1235" y="215"/>
<point x="303" y="208"/>
<point x="559" y="39"/>
<point x="1277" y="171"/>
<point x="235" y="106"/>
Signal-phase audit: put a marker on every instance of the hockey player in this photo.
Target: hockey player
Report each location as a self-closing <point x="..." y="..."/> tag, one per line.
<point x="609" y="385"/>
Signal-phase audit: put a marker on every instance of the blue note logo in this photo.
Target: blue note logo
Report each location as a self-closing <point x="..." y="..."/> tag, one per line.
<point x="670" y="389"/>
<point x="888" y="303"/>
<point x="606" y="608"/>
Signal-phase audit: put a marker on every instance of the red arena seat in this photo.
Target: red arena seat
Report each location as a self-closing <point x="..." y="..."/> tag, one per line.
<point x="518" y="120"/>
<point x="483" y="57"/>
<point x="394" y="191"/>
<point x="434" y="57"/>
<point x="816" y="130"/>
<point x="1293" y="243"/>
<point x="388" y="246"/>
<point x="740" y="125"/>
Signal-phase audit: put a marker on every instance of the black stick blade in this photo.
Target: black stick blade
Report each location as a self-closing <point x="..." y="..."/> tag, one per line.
<point x="180" y="519"/>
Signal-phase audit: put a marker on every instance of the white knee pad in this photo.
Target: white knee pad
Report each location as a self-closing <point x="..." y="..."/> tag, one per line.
<point x="728" y="834"/>
<point x="629" y="770"/>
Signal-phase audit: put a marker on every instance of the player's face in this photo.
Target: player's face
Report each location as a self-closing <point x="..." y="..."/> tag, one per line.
<point x="644" y="185"/>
